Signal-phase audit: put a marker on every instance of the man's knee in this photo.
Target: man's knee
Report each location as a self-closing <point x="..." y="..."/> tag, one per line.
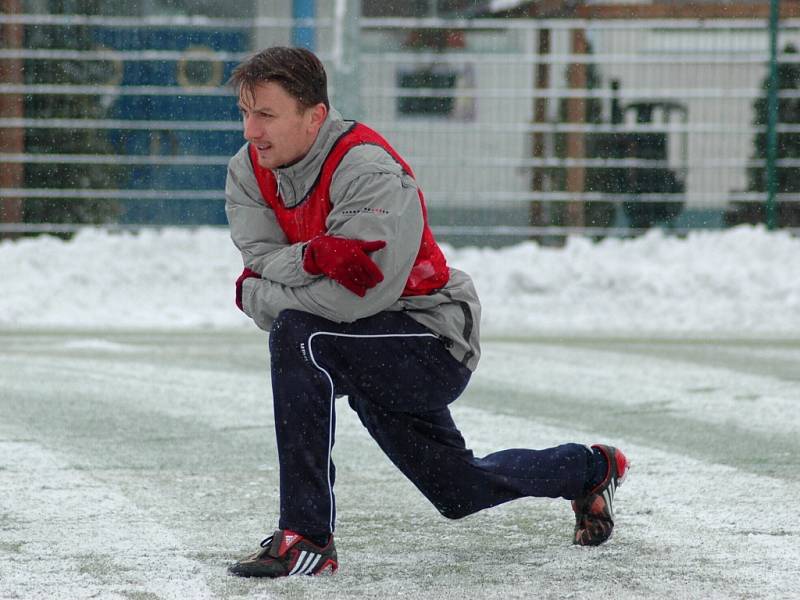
<point x="450" y="501"/>
<point x="453" y="511"/>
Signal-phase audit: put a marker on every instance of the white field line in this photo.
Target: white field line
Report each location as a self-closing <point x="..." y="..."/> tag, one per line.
<point x="64" y="534"/>
<point x="704" y="393"/>
<point x="686" y="528"/>
<point x="720" y="527"/>
<point x="173" y="391"/>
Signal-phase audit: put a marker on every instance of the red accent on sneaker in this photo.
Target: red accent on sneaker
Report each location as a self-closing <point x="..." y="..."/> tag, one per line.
<point x="330" y="566"/>
<point x="622" y="466"/>
<point x="289" y="539"/>
<point x="597" y="506"/>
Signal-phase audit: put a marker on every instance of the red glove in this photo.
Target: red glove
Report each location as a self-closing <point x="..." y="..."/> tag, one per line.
<point x="345" y="261"/>
<point x="246" y="274"/>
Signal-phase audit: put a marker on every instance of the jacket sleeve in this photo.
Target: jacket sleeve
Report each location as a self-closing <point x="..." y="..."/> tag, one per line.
<point x="255" y="230"/>
<point x="372" y="200"/>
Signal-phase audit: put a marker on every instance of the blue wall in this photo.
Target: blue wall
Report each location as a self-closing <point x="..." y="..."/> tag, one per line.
<point x="177" y="107"/>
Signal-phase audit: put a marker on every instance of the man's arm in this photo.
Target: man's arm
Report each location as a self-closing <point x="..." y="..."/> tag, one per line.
<point x="255" y="230"/>
<point x="372" y="200"/>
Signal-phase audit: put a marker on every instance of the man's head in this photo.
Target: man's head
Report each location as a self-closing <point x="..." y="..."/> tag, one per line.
<point x="283" y="97"/>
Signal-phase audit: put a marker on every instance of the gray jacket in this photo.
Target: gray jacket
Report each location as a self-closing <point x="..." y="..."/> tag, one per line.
<point x="372" y="199"/>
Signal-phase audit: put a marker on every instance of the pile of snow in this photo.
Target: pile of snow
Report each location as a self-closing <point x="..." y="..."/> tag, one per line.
<point x="744" y="281"/>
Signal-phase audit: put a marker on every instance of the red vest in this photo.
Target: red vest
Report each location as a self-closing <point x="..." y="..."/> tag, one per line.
<point x="306" y="220"/>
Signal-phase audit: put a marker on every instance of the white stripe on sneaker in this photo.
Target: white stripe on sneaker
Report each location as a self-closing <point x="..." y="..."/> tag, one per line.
<point x="608" y="496"/>
<point x="313" y="565"/>
<point x="305" y="563"/>
<point x="298" y="566"/>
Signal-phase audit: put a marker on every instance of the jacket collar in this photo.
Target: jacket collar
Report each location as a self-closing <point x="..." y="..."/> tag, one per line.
<point x="295" y="180"/>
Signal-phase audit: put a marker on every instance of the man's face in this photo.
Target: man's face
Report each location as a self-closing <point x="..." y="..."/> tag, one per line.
<point x="277" y="125"/>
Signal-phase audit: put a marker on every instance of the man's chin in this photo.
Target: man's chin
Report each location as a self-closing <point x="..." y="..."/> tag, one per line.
<point x="266" y="162"/>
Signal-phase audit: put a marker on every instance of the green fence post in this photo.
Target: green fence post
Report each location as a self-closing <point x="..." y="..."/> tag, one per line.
<point x="772" y="114"/>
<point x="346" y="52"/>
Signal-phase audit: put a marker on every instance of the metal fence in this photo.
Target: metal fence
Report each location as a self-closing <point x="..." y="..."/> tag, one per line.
<point x="515" y="127"/>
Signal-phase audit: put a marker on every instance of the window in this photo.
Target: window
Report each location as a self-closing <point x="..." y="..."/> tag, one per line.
<point x="392" y="8"/>
<point x="422" y="8"/>
<point x="436" y="91"/>
<point x="427" y="104"/>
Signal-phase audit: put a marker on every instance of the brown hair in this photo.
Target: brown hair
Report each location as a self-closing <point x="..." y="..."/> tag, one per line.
<point x="297" y="70"/>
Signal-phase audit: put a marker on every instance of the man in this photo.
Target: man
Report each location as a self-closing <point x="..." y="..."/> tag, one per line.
<point x="343" y="271"/>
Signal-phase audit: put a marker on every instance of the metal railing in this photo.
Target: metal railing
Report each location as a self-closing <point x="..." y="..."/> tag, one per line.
<point x="514" y="127"/>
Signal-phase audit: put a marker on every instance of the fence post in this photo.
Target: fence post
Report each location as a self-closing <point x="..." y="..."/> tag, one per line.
<point x="303" y="35"/>
<point x="772" y="115"/>
<point x="12" y="139"/>
<point x="538" y="214"/>
<point x="576" y="139"/>
<point x="346" y="53"/>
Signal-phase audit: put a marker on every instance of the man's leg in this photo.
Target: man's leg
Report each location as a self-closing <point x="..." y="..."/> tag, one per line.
<point x="389" y="356"/>
<point x="430" y="451"/>
<point x="400" y="379"/>
<point x="425" y="444"/>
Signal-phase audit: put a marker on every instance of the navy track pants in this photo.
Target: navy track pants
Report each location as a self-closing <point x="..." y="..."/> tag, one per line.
<point x="399" y="377"/>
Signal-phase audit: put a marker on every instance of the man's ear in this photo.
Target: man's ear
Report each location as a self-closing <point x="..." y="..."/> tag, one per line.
<point x="318" y="114"/>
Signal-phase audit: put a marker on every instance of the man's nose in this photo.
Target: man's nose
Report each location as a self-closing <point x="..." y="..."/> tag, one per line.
<point x="251" y="128"/>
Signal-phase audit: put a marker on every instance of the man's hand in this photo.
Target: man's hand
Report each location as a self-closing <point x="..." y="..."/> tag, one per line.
<point x="246" y="274"/>
<point x="345" y="261"/>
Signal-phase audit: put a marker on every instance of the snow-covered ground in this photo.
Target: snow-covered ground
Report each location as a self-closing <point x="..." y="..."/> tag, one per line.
<point x="744" y="281"/>
<point x="137" y="452"/>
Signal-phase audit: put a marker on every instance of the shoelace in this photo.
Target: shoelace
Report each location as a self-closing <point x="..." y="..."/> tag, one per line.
<point x="266" y="541"/>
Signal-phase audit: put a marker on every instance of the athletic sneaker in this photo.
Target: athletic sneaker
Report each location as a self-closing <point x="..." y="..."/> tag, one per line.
<point x="287" y="553"/>
<point x="594" y="513"/>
